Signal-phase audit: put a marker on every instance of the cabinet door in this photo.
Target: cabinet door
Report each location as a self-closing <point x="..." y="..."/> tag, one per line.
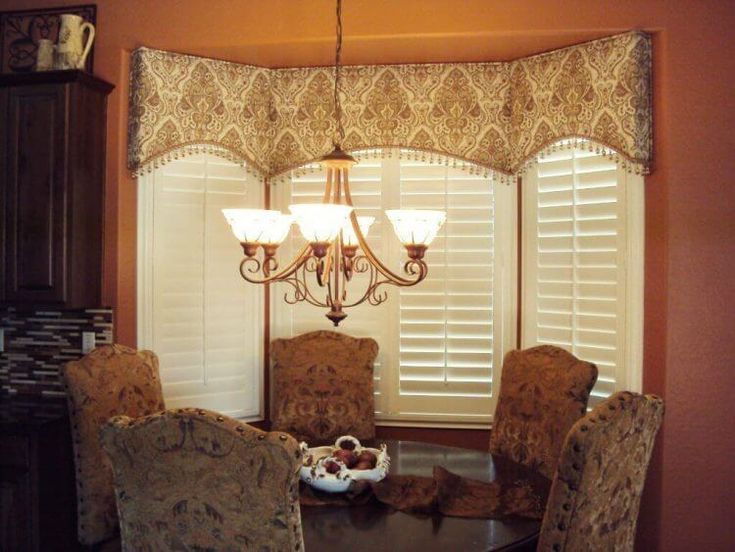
<point x="15" y="510"/>
<point x="35" y="194"/>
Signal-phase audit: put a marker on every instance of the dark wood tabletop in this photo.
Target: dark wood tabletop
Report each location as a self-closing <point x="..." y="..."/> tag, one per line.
<point x="375" y="526"/>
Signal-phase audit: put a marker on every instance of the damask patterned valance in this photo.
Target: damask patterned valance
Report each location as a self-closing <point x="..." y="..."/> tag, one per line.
<point x="497" y="115"/>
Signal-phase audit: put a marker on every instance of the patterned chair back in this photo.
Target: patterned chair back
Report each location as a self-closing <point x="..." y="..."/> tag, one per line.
<point x="596" y="493"/>
<point x="323" y="386"/>
<point x="192" y="479"/>
<point x="543" y="391"/>
<point x="108" y="381"/>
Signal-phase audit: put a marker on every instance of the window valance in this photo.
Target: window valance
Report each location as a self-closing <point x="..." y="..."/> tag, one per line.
<point x="497" y="115"/>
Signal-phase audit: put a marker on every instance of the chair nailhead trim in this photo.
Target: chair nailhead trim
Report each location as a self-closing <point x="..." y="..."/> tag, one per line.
<point x="282" y="437"/>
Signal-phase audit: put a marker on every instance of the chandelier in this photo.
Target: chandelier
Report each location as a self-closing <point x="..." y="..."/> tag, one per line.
<point x="336" y="247"/>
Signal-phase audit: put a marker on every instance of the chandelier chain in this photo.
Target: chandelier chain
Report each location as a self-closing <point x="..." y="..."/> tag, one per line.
<point x="340" y="131"/>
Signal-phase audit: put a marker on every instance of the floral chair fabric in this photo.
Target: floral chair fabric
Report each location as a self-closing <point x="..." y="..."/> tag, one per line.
<point x="323" y="386"/>
<point x="596" y="493"/>
<point x="543" y="391"/>
<point x="192" y="479"/>
<point x="108" y="381"/>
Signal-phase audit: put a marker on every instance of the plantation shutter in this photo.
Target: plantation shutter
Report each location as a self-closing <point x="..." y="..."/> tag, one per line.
<point x="577" y="249"/>
<point x="205" y="323"/>
<point x="446" y="322"/>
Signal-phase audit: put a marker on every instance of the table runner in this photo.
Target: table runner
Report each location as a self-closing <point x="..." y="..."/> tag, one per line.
<point x="515" y="491"/>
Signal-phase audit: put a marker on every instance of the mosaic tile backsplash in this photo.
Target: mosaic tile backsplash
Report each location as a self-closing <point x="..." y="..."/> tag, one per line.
<point x="39" y="342"/>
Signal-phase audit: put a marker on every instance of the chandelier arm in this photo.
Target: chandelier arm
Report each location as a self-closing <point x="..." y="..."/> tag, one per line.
<point x="338" y="280"/>
<point x="374" y="299"/>
<point x="300" y="259"/>
<point x="302" y="292"/>
<point x="360" y="264"/>
<point x="324" y="267"/>
<point x="368" y="290"/>
<point x="348" y="196"/>
<point x="310" y="296"/>
<point x="391" y="277"/>
<point x="298" y="294"/>
<point x="328" y="188"/>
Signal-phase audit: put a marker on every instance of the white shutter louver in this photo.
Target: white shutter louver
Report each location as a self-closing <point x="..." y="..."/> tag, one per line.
<point x="205" y="324"/>
<point x="576" y="254"/>
<point x="446" y="322"/>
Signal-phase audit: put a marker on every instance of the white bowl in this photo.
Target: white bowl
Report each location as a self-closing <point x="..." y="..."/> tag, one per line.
<point x="314" y="473"/>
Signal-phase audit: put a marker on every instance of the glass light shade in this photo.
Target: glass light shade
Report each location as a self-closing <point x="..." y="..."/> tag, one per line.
<point x="252" y="225"/>
<point x="416" y="226"/>
<point x="348" y="234"/>
<point x="276" y="232"/>
<point x="320" y="222"/>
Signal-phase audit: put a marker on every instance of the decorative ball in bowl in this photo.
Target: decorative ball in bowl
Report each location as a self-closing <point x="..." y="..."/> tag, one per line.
<point x="334" y="468"/>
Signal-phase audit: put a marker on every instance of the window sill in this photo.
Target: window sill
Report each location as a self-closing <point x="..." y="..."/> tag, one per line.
<point x="484" y="425"/>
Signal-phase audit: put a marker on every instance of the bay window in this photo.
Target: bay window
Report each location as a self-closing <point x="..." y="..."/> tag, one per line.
<point x="578" y="218"/>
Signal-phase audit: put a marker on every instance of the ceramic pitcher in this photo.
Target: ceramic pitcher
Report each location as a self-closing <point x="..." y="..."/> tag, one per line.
<point x="72" y="51"/>
<point x="45" y="55"/>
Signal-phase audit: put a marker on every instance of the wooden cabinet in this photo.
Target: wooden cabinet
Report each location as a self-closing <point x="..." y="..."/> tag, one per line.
<point x="52" y="178"/>
<point x="16" y="531"/>
<point x="37" y="488"/>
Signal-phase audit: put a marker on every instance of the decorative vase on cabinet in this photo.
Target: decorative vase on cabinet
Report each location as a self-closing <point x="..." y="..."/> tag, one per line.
<point x="52" y="180"/>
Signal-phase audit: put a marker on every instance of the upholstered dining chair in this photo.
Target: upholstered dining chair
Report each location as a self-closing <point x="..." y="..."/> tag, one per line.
<point x="193" y="479"/>
<point x="110" y="380"/>
<point x="323" y="386"/>
<point x="543" y="391"/>
<point x="595" y="496"/>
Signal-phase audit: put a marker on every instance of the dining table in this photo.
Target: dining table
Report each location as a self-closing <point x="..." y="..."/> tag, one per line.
<point x="375" y="526"/>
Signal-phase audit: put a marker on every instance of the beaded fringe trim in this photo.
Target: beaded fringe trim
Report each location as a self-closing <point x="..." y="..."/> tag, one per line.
<point x="575" y="142"/>
<point x="198" y="149"/>
<point x="407" y="154"/>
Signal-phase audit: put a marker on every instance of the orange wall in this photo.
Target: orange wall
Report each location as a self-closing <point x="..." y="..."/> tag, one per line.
<point x="690" y="227"/>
